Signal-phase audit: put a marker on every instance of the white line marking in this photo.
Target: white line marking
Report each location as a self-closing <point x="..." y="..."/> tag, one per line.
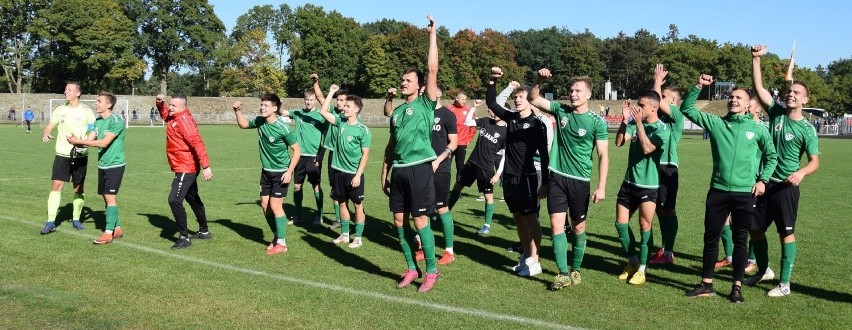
<point x="364" y="293"/>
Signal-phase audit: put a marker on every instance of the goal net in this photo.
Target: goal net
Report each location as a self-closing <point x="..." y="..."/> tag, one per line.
<point x="120" y="108"/>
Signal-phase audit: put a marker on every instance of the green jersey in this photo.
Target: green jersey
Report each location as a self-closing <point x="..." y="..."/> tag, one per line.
<point x="734" y="142"/>
<point x="642" y="169"/>
<point x="792" y="138"/>
<point x="112" y="155"/>
<point x="273" y="140"/>
<point x="411" y="131"/>
<point x="351" y="140"/>
<point x="76" y="121"/>
<point x="310" y="127"/>
<point x="675" y="122"/>
<point x="576" y="135"/>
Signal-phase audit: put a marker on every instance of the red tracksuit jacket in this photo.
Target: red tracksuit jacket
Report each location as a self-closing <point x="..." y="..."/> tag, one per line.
<point x="184" y="147"/>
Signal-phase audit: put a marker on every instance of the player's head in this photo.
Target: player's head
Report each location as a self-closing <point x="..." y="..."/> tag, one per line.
<point x="310" y="99"/>
<point x="493" y="116"/>
<point x="580" y="91"/>
<point x="460" y="99"/>
<point x="73" y="91"/>
<point x="521" y="102"/>
<point x="754" y="107"/>
<point x="411" y="81"/>
<point x="177" y="104"/>
<point x="672" y="95"/>
<point x="270" y="104"/>
<point x="105" y="102"/>
<point x="797" y="95"/>
<point x="340" y="98"/>
<point x="353" y="106"/>
<point x="739" y="101"/>
<point x="649" y="102"/>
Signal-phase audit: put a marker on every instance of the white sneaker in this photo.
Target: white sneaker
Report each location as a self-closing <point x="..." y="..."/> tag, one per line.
<point x="355" y="243"/>
<point x="533" y="268"/>
<point x="781" y="290"/>
<point x="757" y="278"/>
<point x="343" y="238"/>
<point x="484" y="230"/>
<point x="480" y="199"/>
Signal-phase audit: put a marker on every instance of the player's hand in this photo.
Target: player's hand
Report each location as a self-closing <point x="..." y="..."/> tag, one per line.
<point x="207" y="173"/>
<point x="705" y="80"/>
<point x="432" y="27"/>
<point x="494" y="179"/>
<point x="314" y="78"/>
<point x="795" y="179"/>
<point x="47" y="138"/>
<point x="285" y="179"/>
<point x="625" y="111"/>
<point x="514" y="84"/>
<point x="758" y="189"/>
<point x="542" y="191"/>
<point x="391" y="94"/>
<point x="660" y="74"/>
<point x="73" y="140"/>
<point x="333" y="89"/>
<point x="544" y="74"/>
<point x="496" y="72"/>
<point x="637" y="114"/>
<point x="477" y="103"/>
<point x="598" y="195"/>
<point x="160" y="98"/>
<point x="386" y="186"/>
<point x="758" y="50"/>
<point x="435" y="164"/>
<point x="356" y="181"/>
<point x="237" y="105"/>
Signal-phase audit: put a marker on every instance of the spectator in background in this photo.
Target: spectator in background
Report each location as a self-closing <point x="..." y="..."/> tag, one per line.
<point x="135" y="117"/>
<point x="11" y="115"/>
<point x="29" y="116"/>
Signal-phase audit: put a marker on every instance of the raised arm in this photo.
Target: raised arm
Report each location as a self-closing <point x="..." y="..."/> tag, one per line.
<point x="757" y="51"/>
<point x="432" y="74"/>
<point x="504" y="95"/>
<point x="468" y="118"/>
<point x="318" y="89"/>
<point x="491" y="94"/>
<point x="688" y="108"/>
<point x="660" y="74"/>
<point x="389" y="101"/>
<point x="162" y="107"/>
<point x="621" y="135"/>
<point x="533" y="96"/>
<point x="325" y="110"/>
<point x="238" y="112"/>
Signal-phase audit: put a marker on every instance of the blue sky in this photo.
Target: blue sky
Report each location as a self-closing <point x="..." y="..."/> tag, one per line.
<point x="822" y="29"/>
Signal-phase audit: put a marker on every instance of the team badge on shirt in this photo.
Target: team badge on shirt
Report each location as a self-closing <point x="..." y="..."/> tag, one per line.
<point x="409" y="111"/>
<point x="788" y="136"/>
<point x="582" y="132"/>
<point x="778" y="127"/>
<point x="271" y="139"/>
<point x="349" y="138"/>
<point x="749" y="135"/>
<point x="563" y="122"/>
<point x="526" y="125"/>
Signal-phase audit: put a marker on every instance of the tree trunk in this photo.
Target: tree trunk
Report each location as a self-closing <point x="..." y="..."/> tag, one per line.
<point x="163" y="85"/>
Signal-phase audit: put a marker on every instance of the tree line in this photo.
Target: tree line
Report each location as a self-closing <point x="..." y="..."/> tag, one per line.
<point x="113" y="43"/>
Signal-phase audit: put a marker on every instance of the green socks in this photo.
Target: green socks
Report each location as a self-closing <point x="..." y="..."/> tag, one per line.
<point x="406" y="248"/>
<point x="281" y="227"/>
<point x="788" y="256"/>
<point x="761" y="254"/>
<point x="427" y="239"/>
<point x="727" y="241"/>
<point x="579" y="250"/>
<point x="560" y="251"/>
<point x="643" y="247"/>
<point x="489" y="213"/>
<point x="359" y="229"/>
<point x="111" y="217"/>
<point x="336" y="211"/>
<point x="78" y="206"/>
<point x="454" y="197"/>
<point x="318" y="198"/>
<point x="447" y="222"/>
<point x="297" y="202"/>
<point x="628" y="242"/>
<point x="53" y="205"/>
<point x="344" y="227"/>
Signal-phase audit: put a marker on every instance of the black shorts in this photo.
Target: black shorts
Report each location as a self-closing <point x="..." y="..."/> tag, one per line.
<point x="471" y="172"/>
<point x="667" y="193"/>
<point x="521" y="194"/>
<point x="109" y="180"/>
<point x="442" y="189"/>
<point x="66" y="168"/>
<point x="343" y="190"/>
<point x="307" y="167"/>
<point x="271" y="185"/>
<point x="570" y="195"/>
<point x="413" y="190"/>
<point x="632" y="197"/>
<point x="779" y="204"/>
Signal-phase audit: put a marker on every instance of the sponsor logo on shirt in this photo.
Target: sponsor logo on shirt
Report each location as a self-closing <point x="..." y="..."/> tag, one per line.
<point x="394" y="119"/>
<point x="563" y="122"/>
<point x="484" y="134"/>
<point x="778" y="127"/>
<point x="437" y="120"/>
<point x="749" y="135"/>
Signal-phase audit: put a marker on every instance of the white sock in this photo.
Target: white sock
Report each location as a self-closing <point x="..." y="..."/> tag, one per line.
<point x="281" y="241"/>
<point x="108" y="231"/>
<point x="450" y="250"/>
<point x="641" y="268"/>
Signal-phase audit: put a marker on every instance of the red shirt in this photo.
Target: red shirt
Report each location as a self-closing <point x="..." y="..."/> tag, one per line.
<point x="466" y="133"/>
<point x="184" y="147"/>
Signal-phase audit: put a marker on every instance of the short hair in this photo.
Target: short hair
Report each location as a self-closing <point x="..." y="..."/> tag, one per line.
<point x="181" y="97"/>
<point x="676" y="90"/>
<point x="803" y="84"/>
<point x="109" y="97"/>
<point x="748" y="91"/>
<point x="309" y="91"/>
<point x="272" y="98"/>
<point x="421" y="79"/>
<point x="342" y="91"/>
<point x="75" y="83"/>
<point x="652" y="95"/>
<point x="584" y="79"/>
<point x="355" y="99"/>
<point x="519" y="89"/>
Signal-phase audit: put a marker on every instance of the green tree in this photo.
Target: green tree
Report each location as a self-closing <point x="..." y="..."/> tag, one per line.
<point x="17" y="44"/>
<point x="630" y="61"/>
<point x="687" y="58"/>
<point x="839" y="78"/>
<point x="537" y="49"/>
<point x="579" y="63"/>
<point x="254" y="70"/>
<point x="378" y="75"/>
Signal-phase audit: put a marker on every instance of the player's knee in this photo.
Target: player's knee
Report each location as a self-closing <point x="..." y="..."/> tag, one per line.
<point x="175" y="201"/>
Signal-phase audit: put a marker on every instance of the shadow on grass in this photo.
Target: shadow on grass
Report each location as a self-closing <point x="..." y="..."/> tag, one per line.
<point x="248" y="232"/>
<point x="66" y="212"/>
<point x="168" y="228"/>
<point x="341" y="254"/>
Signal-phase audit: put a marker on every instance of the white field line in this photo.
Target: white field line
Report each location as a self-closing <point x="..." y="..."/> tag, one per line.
<point x="320" y="285"/>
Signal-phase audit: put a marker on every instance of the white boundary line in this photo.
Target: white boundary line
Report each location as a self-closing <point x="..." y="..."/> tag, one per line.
<point x="325" y="286"/>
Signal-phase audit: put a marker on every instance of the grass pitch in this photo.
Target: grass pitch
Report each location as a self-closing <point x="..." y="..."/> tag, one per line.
<point x="62" y="280"/>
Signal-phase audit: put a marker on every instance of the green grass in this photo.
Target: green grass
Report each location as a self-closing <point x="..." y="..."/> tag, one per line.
<point x="62" y="280"/>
